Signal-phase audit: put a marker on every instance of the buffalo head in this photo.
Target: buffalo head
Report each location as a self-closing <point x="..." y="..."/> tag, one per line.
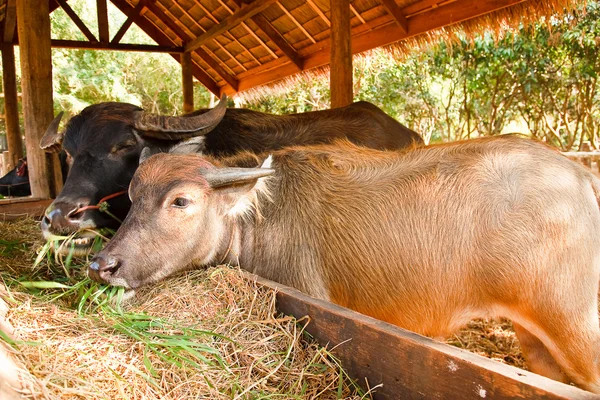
<point x="103" y="145"/>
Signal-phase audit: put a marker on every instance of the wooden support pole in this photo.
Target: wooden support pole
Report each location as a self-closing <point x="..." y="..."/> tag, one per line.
<point x="187" y="82"/>
<point x="102" y="11"/>
<point x="11" y="106"/>
<point x="5" y="161"/>
<point x="33" y="26"/>
<point x="340" y="74"/>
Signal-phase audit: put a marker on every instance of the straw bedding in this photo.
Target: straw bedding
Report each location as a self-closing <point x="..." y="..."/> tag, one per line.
<point x="203" y="334"/>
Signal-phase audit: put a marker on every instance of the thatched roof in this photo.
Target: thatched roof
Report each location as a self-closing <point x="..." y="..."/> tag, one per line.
<point x="239" y="45"/>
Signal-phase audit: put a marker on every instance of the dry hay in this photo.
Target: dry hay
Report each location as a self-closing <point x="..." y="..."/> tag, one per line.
<point x="204" y="334"/>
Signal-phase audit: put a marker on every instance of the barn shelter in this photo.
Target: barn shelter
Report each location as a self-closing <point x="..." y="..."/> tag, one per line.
<point x="231" y="46"/>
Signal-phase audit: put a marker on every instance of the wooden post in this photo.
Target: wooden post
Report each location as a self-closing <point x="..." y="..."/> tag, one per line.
<point x="11" y="106"/>
<point x="340" y="75"/>
<point x="6" y="167"/>
<point x="586" y="147"/>
<point x="187" y="82"/>
<point x="33" y="27"/>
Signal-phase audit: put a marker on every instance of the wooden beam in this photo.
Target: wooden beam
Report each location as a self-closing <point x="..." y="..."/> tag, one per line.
<point x="243" y="14"/>
<point x="131" y="18"/>
<point x="392" y="8"/>
<point x="147" y="48"/>
<point x="187" y="82"/>
<point x="13" y="209"/>
<point x="102" y="12"/>
<point x="163" y="40"/>
<point x="75" y="18"/>
<point x="383" y="33"/>
<point x="10" y="21"/>
<point x="11" y="104"/>
<point x="33" y="25"/>
<point x="405" y="365"/>
<point x="170" y="22"/>
<point x="340" y="72"/>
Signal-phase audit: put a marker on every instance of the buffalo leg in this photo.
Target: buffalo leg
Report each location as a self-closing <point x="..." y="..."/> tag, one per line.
<point x="539" y="359"/>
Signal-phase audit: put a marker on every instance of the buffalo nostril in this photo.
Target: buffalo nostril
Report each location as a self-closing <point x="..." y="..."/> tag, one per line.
<point x="101" y="269"/>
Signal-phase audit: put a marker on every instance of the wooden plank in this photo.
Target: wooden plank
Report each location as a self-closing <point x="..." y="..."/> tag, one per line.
<point x="102" y="11"/>
<point x="340" y="73"/>
<point x="13" y="209"/>
<point x="163" y="40"/>
<point x="407" y="365"/>
<point x="148" y="48"/>
<point x="131" y="18"/>
<point x="75" y="18"/>
<point x="187" y="82"/>
<point x="387" y="33"/>
<point x="33" y="27"/>
<point x="239" y="16"/>
<point x="392" y="8"/>
<point x="10" y="21"/>
<point x="11" y="104"/>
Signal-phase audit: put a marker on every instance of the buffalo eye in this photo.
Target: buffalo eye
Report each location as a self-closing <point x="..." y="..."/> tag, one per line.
<point x="124" y="147"/>
<point x="180" y="202"/>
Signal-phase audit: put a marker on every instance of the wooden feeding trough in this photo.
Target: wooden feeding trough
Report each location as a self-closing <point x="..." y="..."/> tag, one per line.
<point x="408" y="365"/>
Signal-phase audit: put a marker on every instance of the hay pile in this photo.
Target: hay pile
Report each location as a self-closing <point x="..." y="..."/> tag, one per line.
<point x="205" y="334"/>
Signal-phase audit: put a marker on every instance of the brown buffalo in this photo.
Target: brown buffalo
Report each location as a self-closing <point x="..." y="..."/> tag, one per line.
<point x="426" y="239"/>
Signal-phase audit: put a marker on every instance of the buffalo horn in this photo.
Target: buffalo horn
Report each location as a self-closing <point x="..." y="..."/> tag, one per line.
<point x="177" y="128"/>
<point x="234" y="176"/>
<point x="52" y="140"/>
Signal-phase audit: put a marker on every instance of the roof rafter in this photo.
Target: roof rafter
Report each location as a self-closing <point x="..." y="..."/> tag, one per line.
<point x="276" y="37"/>
<point x="385" y="34"/>
<point x="184" y="11"/>
<point x="75" y="18"/>
<point x="395" y="11"/>
<point x="162" y="39"/>
<point x="131" y="18"/>
<point x="10" y="21"/>
<point x="239" y="16"/>
<point x="170" y="22"/>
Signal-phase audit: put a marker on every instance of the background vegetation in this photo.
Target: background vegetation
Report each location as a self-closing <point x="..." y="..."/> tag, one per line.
<point x="540" y="80"/>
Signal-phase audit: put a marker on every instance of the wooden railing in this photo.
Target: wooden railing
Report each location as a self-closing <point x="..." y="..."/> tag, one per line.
<point x="590" y="159"/>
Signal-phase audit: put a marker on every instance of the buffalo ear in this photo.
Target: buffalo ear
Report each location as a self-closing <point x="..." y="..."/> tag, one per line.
<point x="223" y="177"/>
<point x="146" y="154"/>
<point x="190" y="146"/>
<point x="52" y="140"/>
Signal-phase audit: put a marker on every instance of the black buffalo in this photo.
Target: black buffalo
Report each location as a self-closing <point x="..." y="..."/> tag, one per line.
<point x="104" y="143"/>
<point x="16" y="182"/>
